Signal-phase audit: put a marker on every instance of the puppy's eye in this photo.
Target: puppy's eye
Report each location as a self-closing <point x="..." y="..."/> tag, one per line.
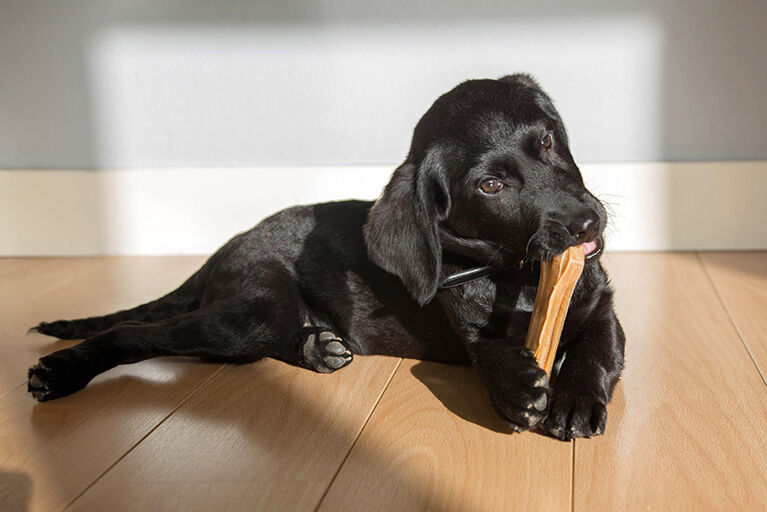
<point x="547" y="141"/>
<point x="491" y="185"/>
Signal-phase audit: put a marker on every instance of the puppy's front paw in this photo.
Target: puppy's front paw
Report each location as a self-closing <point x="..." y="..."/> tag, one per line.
<point x="575" y="414"/>
<point x="519" y="392"/>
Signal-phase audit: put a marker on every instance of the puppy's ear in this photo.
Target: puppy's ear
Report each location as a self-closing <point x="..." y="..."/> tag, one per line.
<point x="540" y="97"/>
<point x="401" y="232"/>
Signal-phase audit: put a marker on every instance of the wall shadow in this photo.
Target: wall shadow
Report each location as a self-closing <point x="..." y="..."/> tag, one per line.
<point x="710" y="82"/>
<point x="712" y="91"/>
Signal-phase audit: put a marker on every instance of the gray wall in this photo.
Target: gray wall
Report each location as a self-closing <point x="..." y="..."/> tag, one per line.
<point x="93" y="84"/>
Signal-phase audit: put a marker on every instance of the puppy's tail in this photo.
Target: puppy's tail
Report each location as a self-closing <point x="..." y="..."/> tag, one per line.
<point x="182" y="300"/>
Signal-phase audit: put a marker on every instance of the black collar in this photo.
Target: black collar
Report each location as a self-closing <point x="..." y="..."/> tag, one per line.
<point x="471" y="274"/>
<point x="465" y="276"/>
<point x="471" y="250"/>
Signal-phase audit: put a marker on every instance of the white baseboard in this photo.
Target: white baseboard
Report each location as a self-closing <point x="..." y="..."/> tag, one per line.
<point x="656" y="206"/>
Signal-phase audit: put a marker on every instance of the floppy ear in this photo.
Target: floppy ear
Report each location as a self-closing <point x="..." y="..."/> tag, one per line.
<point x="401" y="232"/>
<point x="540" y="97"/>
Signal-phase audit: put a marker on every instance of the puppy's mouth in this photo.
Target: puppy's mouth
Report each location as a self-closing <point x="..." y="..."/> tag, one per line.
<point x="551" y="240"/>
<point x="592" y="249"/>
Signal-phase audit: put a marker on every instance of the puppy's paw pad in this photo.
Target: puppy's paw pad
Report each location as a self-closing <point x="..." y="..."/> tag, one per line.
<point x="41" y="382"/>
<point x="573" y="416"/>
<point x="336" y="348"/>
<point x="55" y="376"/>
<point x="334" y="362"/>
<point x="324" y="352"/>
<point x="540" y="403"/>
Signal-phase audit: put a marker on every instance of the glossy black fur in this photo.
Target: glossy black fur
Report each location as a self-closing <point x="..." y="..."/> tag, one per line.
<point x="313" y="285"/>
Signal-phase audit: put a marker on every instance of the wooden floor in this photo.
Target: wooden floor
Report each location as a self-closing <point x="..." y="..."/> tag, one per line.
<point x="686" y="430"/>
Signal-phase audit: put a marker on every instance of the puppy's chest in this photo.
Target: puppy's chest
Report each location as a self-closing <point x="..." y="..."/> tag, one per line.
<point x="525" y="300"/>
<point x="492" y="309"/>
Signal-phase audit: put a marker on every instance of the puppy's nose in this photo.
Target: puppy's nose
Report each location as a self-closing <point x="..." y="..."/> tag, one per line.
<point x="585" y="228"/>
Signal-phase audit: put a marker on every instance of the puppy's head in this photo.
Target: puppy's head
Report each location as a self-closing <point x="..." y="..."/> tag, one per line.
<point x="490" y="175"/>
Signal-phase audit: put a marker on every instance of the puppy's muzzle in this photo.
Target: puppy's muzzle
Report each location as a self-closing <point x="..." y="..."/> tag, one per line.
<point x="553" y="237"/>
<point x="587" y="232"/>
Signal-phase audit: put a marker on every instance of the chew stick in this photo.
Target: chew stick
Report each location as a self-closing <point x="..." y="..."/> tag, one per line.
<point x="555" y="288"/>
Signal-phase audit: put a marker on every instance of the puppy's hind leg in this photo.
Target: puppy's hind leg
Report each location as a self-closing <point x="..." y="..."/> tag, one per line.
<point x="263" y="324"/>
<point x="182" y="300"/>
<point x="230" y="330"/>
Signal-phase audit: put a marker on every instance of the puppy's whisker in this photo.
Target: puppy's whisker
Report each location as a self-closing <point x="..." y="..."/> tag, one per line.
<point x="616" y="196"/>
<point x="610" y="210"/>
<point x="495" y="253"/>
<point x="529" y="243"/>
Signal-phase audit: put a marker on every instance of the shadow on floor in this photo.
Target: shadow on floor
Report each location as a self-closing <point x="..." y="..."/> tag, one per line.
<point x="231" y="404"/>
<point x="461" y="392"/>
<point x="15" y="490"/>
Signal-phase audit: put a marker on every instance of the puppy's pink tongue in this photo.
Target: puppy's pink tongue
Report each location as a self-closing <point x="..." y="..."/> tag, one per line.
<point x="589" y="247"/>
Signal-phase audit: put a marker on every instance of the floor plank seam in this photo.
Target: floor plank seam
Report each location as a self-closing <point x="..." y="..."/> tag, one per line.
<point x="11" y="390"/>
<point x="732" y="320"/>
<point x="572" y="477"/>
<point x="148" y="433"/>
<point x="359" y="434"/>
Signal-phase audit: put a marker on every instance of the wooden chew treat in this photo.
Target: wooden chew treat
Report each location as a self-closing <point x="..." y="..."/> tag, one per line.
<point x="555" y="287"/>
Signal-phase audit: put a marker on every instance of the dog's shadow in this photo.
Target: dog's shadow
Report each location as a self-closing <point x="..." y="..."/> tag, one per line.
<point x="461" y="392"/>
<point x="256" y="401"/>
<point x="458" y="388"/>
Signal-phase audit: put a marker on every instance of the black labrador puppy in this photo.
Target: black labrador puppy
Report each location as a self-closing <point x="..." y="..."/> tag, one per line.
<point x="442" y="267"/>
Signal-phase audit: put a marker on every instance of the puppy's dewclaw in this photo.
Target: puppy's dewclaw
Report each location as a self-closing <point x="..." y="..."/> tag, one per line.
<point x="555" y="287"/>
